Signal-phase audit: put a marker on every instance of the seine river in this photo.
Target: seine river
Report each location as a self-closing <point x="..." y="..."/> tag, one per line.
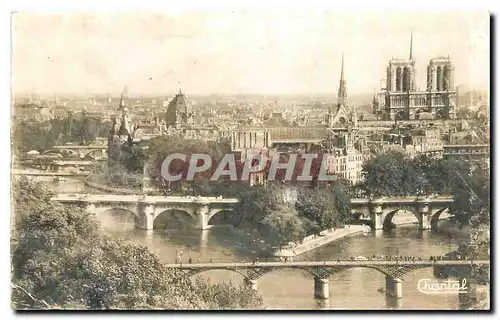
<point x="293" y="289"/>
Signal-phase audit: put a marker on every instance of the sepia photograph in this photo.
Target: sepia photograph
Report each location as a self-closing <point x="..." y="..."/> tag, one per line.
<point x="258" y="160"/>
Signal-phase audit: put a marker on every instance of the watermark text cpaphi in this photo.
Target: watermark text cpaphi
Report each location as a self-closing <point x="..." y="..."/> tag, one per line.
<point x="285" y="167"/>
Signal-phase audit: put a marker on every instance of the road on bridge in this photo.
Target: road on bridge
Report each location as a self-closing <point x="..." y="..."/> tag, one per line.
<point x="327" y="264"/>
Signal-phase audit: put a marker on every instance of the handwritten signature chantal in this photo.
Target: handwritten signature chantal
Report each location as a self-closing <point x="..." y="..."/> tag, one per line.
<point x="428" y="286"/>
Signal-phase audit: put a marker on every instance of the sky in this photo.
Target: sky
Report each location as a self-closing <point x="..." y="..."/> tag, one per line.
<point x="237" y="52"/>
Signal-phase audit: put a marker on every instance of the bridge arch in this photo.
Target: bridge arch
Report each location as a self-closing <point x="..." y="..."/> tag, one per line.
<point x="99" y="210"/>
<point x="196" y="272"/>
<point x="435" y="218"/>
<point x="214" y="212"/>
<point x="117" y="218"/>
<point x="162" y="213"/>
<point x="389" y="216"/>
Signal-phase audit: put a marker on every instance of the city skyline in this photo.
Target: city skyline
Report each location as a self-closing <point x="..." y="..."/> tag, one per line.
<point x="243" y="52"/>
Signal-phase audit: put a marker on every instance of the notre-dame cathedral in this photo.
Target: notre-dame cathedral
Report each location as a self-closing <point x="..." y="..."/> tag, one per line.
<point x="401" y="100"/>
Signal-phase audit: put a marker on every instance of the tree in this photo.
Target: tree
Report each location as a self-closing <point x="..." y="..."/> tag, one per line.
<point x="323" y="207"/>
<point x="27" y="194"/>
<point x="285" y="224"/>
<point x="471" y="196"/>
<point x="385" y="174"/>
<point x="116" y="175"/>
<point x="136" y="156"/>
<point x="258" y="201"/>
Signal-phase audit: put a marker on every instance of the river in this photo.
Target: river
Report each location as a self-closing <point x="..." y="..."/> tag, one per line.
<point x="293" y="289"/>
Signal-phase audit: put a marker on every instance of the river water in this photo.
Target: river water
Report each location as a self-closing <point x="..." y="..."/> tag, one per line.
<point x="293" y="289"/>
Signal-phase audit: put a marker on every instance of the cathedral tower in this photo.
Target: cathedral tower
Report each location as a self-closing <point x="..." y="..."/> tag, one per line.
<point x="440" y="74"/>
<point x="401" y="73"/>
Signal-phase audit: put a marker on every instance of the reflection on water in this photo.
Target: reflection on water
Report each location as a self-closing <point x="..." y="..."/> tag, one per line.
<point x="291" y="288"/>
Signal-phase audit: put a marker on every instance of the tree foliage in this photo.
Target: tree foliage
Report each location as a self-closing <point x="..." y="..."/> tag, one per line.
<point x="471" y="196"/>
<point x="323" y="207"/>
<point x="116" y="175"/>
<point x="392" y="174"/>
<point x="286" y="224"/>
<point x="42" y="135"/>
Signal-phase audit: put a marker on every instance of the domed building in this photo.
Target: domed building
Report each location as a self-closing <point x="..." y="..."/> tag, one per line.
<point x="179" y="112"/>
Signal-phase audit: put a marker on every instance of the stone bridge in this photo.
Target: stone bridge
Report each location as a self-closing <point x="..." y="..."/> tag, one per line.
<point x="34" y="173"/>
<point x="147" y="208"/>
<point x="55" y="165"/>
<point x="321" y="271"/>
<point x="97" y="151"/>
<point x="427" y="210"/>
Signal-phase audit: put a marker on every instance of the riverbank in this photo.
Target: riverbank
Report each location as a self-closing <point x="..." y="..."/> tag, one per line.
<point x="314" y="241"/>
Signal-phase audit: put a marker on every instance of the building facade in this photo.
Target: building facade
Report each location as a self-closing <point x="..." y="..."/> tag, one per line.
<point x="400" y="100"/>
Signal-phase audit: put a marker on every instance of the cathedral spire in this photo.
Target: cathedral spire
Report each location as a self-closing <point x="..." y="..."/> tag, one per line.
<point x="411" y="45"/>
<point x="342" y="69"/>
<point x="342" y="94"/>
<point x="122" y="104"/>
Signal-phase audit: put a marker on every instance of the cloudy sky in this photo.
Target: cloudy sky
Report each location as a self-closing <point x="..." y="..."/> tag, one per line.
<point x="238" y="52"/>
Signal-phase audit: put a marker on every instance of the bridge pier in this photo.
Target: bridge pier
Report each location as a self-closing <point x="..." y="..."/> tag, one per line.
<point x="393" y="287"/>
<point x="202" y="213"/>
<point x="146" y="219"/>
<point x="377" y="216"/>
<point x="424" y="216"/>
<point x="251" y="284"/>
<point x="321" y="288"/>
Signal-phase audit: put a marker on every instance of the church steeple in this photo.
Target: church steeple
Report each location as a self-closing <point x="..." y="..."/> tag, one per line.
<point x="342" y="94"/>
<point x="342" y="69"/>
<point x="123" y="96"/>
<point x="411" y="45"/>
<point x="124" y="127"/>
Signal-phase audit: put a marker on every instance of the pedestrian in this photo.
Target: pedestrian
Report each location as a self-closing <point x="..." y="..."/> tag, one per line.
<point x="190" y="260"/>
